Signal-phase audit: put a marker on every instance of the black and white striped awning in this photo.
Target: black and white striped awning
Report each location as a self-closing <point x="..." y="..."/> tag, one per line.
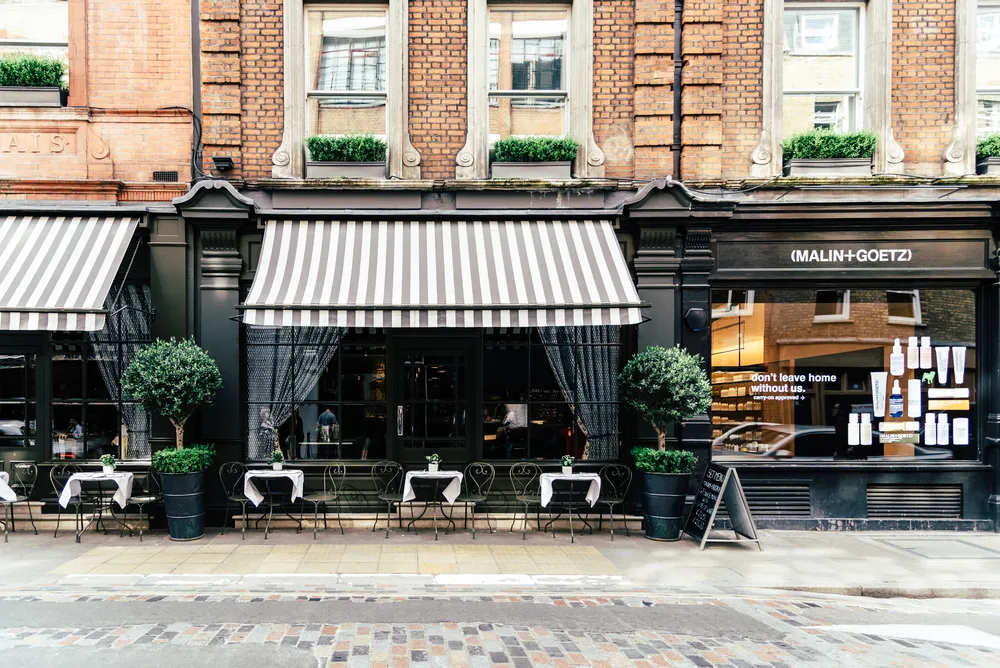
<point x="56" y="271"/>
<point x="523" y="273"/>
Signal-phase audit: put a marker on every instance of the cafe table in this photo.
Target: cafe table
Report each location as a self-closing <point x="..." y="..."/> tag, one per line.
<point x="296" y="476"/>
<point x="74" y="488"/>
<point x="546" y="481"/>
<point x="452" y="481"/>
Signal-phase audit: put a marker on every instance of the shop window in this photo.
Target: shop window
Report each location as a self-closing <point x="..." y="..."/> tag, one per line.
<point x="796" y="388"/>
<point x="833" y="306"/>
<point x="729" y="303"/>
<point x="988" y="68"/>
<point x="551" y="392"/>
<point x="527" y="90"/>
<point x="822" y="68"/>
<point x="35" y="26"/>
<point x="17" y="400"/>
<point x="347" y="60"/>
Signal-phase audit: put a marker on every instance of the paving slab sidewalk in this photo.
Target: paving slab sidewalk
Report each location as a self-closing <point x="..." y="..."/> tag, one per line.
<point x="914" y="564"/>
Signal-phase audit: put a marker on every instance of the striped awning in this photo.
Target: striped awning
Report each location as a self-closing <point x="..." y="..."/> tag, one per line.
<point x="523" y="273"/>
<point x="56" y="271"/>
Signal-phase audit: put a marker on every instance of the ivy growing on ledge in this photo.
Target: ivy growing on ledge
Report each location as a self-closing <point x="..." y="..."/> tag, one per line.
<point x="829" y="145"/>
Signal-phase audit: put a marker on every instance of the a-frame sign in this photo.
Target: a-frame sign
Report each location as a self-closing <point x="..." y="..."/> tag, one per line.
<point x="721" y="484"/>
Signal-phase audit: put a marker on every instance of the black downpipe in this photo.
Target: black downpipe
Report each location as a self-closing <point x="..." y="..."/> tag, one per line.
<point x="196" y="157"/>
<point x="678" y="69"/>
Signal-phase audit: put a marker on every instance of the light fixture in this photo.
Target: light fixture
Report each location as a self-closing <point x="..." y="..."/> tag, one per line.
<point x="223" y="163"/>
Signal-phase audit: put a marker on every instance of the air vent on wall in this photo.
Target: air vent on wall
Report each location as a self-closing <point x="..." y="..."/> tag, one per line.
<point x="924" y="501"/>
<point x="784" y="498"/>
<point x="166" y="177"/>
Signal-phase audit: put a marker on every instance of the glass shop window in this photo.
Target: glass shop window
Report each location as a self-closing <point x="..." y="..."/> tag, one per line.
<point x="862" y="374"/>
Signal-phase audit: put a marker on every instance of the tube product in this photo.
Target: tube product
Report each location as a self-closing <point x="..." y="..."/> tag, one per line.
<point x="926" y="358"/>
<point x="942" y="429"/>
<point x="912" y="353"/>
<point x="896" y="400"/>
<point x="960" y="429"/>
<point x="853" y="430"/>
<point x="930" y="429"/>
<point x="879" y="379"/>
<point x="866" y="429"/>
<point x="943" y="353"/>
<point x="896" y="365"/>
<point x="913" y="398"/>
<point x="958" y="357"/>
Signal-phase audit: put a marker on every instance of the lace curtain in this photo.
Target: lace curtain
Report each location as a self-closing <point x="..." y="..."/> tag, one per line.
<point x="283" y="365"/>
<point x="127" y="327"/>
<point x="585" y="363"/>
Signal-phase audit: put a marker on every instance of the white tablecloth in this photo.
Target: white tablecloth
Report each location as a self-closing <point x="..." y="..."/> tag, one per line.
<point x="251" y="492"/>
<point x="121" y="478"/>
<point x="450" y="493"/>
<point x="6" y="493"/>
<point x="592" y="494"/>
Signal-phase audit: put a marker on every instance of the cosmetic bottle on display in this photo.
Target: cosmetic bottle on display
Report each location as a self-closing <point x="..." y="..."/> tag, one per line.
<point x="896" y="365"/>
<point x="930" y="429"/>
<point x="943" y="354"/>
<point x="896" y="401"/>
<point x="866" y="429"/>
<point x="926" y="356"/>
<point x="853" y="430"/>
<point x="943" y="436"/>
<point x="879" y="379"/>
<point x="913" y="409"/>
<point x="912" y="353"/>
<point x="960" y="431"/>
<point x="958" y="357"/>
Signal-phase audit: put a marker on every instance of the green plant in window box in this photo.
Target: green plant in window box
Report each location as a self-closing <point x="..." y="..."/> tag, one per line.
<point x="535" y="149"/>
<point x="108" y="463"/>
<point x="346" y="148"/>
<point x="988" y="155"/>
<point x="277" y="460"/>
<point x="829" y="145"/>
<point x="31" y="80"/>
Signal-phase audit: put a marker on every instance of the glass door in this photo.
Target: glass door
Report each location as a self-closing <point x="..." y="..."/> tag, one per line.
<point x="434" y="387"/>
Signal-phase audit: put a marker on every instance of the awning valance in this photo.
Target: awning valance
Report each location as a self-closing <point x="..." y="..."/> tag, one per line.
<point x="522" y="273"/>
<point x="56" y="271"/>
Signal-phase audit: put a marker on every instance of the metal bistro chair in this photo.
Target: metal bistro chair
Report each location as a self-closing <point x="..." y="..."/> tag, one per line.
<point x="388" y="479"/>
<point x="568" y="496"/>
<point x="231" y="476"/>
<point x="58" y="476"/>
<point x="147" y="492"/>
<point x="525" y="478"/>
<point x="615" y="482"/>
<point x="333" y="483"/>
<point x="23" y="476"/>
<point x="477" y="483"/>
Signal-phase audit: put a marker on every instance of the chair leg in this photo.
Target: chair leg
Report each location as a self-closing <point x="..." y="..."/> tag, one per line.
<point x="316" y="518"/>
<point x="473" y="519"/>
<point x="377" y="509"/>
<point x="339" y="522"/>
<point x="225" y="519"/>
<point x="121" y="531"/>
<point x="388" y="518"/>
<point x="79" y="523"/>
<point x="246" y="518"/>
<point x="55" y="534"/>
<point x="572" y="537"/>
<point x="625" y="520"/>
<point x="489" y="522"/>
<point x="524" y="524"/>
<point x="7" y="514"/>
<point x="141" y="508"/>
<point x="611" y="518"/>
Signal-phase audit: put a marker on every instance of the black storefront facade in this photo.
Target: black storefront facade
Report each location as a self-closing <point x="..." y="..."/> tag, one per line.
<point x="814" y="284"/>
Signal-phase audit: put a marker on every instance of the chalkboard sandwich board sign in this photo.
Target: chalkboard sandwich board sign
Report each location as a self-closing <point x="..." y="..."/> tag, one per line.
<point x="720" y="484"/>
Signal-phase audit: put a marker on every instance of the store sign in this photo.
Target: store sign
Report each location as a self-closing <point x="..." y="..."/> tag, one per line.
<point x="821" y="256"/>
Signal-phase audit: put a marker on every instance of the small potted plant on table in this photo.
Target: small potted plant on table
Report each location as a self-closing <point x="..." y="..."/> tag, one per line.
<point x="433" y="462"/>
<point x="346" y="156"/>
<point x="534" y="158"/>
<point x="828" y="153"/>
<point x="665" y="385"/>
<point x="567" y="462"/>
<point x="31" y="80"/>
<point x="108" y="463"/>
<point x="173" y="378"/>
<point x="277" y="460"/>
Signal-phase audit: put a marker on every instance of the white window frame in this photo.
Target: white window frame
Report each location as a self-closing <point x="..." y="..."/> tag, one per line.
<point x="917" y="318"/>
<point x="981" y="92"/>
<point x="857" y="122"/>
<point x="732" y="311"/>
<point x="288" y="162"/>
<point x="22" y="44"/>
<point x="843" y="316"/>
<point x="472" y="161"/>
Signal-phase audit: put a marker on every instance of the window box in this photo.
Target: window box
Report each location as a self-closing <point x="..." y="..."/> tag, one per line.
<point x="831" y="168"/>
<point x="30" y="96"/>
<point x="345" y="170"/>
<point x="532" y="170"/>
<point x="988" y="167"/>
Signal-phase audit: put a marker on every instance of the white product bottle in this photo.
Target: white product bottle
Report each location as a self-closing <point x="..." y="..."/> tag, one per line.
<point x="926" y="357"/>
<point x="930" y="429"/>
<point x="853" y="430"/>
<point x="866" y="429"/>
<point x="960" y="431"/>
<point x="896" y="365"/>
<point x="913" y="398"/>
<point x="943" y="437"/>
<point x="912" y="353"/>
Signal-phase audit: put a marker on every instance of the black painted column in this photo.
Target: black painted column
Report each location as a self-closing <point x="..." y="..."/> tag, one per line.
<point x="991" y="333"/>
<point x="696" y="331"/>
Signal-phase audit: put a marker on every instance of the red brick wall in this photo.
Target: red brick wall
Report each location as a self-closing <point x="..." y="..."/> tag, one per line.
<point x="614" y="54"/>
<point x="742" y="86"/>
<point x="654" y="77"/>
<point x="923" y="86"/>
<point x="262" y="65"/>
<point x="438" y="96"/>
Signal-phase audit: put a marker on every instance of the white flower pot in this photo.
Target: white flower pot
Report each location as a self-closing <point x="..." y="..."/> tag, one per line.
<point x="277" y="467"/>
<point x="432" y="467"/>
<point x="567" y="470"/>
<point x="108" y="469"/>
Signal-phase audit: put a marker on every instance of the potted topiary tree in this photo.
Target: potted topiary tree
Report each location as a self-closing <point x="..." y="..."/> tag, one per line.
<point x="828" y="153"/>
<point x="988" y="155"/>
<point x="31" y="80"/>
<point x="664" y="385"/>
<point x="534" y="158"/>
<point x="346" y="156"/>
<point x="173" y="378"/>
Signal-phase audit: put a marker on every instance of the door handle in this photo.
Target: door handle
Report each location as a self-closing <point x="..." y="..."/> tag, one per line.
<point x="399" y="420"/>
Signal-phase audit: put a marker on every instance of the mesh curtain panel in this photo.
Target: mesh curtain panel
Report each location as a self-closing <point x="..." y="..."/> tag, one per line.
<point x="585" y="363"/>
<point x="283" y="365"/>
<point x="127" y="328"/>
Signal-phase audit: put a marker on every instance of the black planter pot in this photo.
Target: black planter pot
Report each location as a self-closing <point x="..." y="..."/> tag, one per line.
<point x="663" y="504"/>
<point x="184" y="503"/>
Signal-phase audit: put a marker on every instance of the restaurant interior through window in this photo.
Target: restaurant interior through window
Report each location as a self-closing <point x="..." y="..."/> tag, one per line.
<point x="861" y="374"/>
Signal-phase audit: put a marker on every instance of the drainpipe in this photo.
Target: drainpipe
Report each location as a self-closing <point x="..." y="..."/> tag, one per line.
<point x="196" y="156"/>
<point x="678" y="69"/>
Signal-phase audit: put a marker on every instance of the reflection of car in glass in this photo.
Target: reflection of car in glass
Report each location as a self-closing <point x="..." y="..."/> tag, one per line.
<point x="784" y="440"/>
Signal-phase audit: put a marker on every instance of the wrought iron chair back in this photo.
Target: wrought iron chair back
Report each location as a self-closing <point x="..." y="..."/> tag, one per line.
<point x="387" y="477"/>
<point x="333" y="478"/>
<point x="478" y="479"/>
<point x="524" y="478"/>
<point x="615" y="481"/>
<point x="146" y="484"/>
<point x="231" y="476"/>
<point x="23" y="476"/>
<point x="60" y="474"/>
